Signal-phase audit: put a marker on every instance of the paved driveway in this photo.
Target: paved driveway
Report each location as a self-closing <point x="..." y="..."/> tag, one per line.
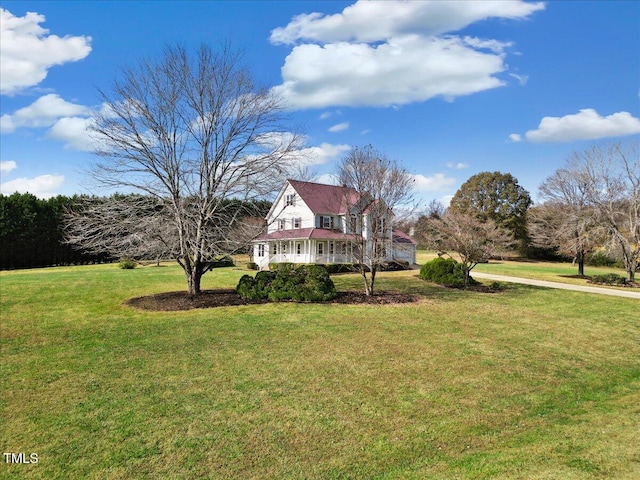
<point x="562" y="286"/>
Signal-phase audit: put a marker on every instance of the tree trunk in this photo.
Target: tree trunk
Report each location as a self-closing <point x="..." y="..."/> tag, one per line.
<point x="580" y="260"/>
<point x="367" y="287"/>
<point x="193" y="282"/>
<point x="373" y="279"/>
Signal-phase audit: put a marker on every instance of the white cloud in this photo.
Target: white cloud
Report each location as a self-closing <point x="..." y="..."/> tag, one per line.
<point x="392" y="53"/>
<point x="585" y="125"/>
<point x="7" y="165"/>
<point x="43" y="186"/>
<point x="515" y="137"/>
<point x="375" y="21"/>
<point x="522" y="79"/>
<point x="339" y="127"/>
<point x="405" y="70"/>
<point x="322" y="154"/>
<point x="75" y="133"/>
<point x="457" y="166"/>
<point x="328" y="179"/>
<point x="44" y="112"/>
<point x="433" y="183"/>
<point x="28" y="50"/>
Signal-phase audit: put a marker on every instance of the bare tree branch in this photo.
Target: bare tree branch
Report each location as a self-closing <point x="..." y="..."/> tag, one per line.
<point x="191" y="131"/>
<point x="386" y="194"/>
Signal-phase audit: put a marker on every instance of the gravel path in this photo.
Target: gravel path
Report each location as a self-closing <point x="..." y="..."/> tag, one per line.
<point x="562" y="286"/>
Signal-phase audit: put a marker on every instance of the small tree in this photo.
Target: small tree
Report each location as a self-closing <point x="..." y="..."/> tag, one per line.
<point x="192" y="132"/>
<point x="382" y="186"/>
<point x="473" y="240"/>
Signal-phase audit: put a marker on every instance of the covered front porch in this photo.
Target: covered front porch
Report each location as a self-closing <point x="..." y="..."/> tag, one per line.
<point x="306" y="251"/>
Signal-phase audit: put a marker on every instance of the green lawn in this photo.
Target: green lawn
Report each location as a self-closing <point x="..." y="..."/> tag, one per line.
<point x="563" y="272"/>
<point x="527" y="383"/>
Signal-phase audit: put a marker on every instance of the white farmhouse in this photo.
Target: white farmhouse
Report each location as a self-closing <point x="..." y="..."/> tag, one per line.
<point x="317" y="223"/>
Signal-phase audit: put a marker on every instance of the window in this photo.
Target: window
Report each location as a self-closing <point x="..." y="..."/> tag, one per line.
<point x="381" y="225"/>
<point x="327" y="222"/>
<point x="298" y="248"/>
<point x="290" y="200"/>
<point x="281" y="224"/>
<point x="283" y="248"/>
<point x="343" y="248"/>
<point x="275" y="248"/>
<point x="330" y="248"/>
<point x="320" y="248"/>
<point x="261" y="250"/>
<point x="297" y="222"/>
<point x="353" y="223"/>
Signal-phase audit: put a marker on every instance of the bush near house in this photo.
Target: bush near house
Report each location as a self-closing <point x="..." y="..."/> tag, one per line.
<point x="444" y="271"/>
<point x="305" y="283"/>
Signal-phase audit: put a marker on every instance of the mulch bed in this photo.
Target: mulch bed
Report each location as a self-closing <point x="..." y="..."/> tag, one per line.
<point x="176" y="301"/>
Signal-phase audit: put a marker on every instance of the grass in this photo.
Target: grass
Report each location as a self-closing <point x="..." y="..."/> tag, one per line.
<point x="527" y="383"/>
<point x="563" y="272"/>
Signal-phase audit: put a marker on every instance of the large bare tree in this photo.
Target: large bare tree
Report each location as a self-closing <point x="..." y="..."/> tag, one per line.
<point x="611" y="175"/>
<point x="565" y="220"/>
<point x="384" y="189"/>
<point x="190" y="130"/>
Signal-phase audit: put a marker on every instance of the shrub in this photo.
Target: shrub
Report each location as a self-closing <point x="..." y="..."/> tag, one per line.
<point x="341" y="267"/>
<point x="317" y="285"/>
<point x="252" y="266"/>
<point x="246" y="286"/>
<point x="444" y="271"/>
<point x="609" y="279"/>
<point x="263" y="283"/>
<point x="287" y="282"/>
<point x="301" y="284"/>
<point x="600" y="260"/>
<point x="225" y="261"/>
<point x="127" y="264"/>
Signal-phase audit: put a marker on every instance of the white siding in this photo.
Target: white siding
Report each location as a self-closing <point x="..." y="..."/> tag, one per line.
<point x="288" y="212"/>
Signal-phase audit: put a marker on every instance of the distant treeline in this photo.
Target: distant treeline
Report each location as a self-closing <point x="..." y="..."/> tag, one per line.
<point x="31" y="232"/>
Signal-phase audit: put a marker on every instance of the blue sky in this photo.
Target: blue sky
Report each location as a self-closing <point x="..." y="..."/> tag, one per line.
<point x="449" y="89"/>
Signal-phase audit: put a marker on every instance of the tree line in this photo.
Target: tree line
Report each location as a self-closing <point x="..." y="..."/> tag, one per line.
<point x="590" y="206"/>
<point x="31" y="233"/>
<point x="38" y="232"/>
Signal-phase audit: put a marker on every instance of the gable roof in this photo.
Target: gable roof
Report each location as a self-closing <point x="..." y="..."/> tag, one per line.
<point x="321" y="198"/>
<point x="400" y="237"/>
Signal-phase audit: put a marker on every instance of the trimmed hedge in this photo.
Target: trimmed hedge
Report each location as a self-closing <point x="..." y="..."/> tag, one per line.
<point x="444" y="271"/>
<point x="305" y="283"/>
<point x="224" y="261"/>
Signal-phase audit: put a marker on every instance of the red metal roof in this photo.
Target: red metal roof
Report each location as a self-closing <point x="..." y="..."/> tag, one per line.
<point x="400" y="237"/>
<point x="329" y="199"/>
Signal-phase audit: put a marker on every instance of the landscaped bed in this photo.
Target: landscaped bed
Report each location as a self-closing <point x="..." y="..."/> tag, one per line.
<point x="173" y="301"/>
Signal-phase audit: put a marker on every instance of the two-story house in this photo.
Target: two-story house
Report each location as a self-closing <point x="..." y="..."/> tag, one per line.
<point x="317" y="223"/>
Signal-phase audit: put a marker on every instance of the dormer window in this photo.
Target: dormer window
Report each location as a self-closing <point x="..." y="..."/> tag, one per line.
<point x="290" y="200"/>
<point x="327" y="222"/>
<point x="381" y="225"/>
